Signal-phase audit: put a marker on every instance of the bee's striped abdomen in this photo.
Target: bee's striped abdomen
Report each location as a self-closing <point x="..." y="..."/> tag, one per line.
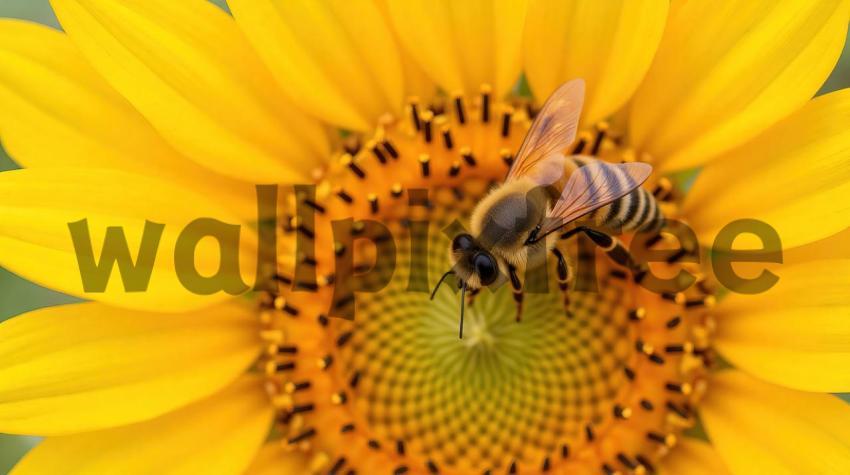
<point x="636" y="211"/>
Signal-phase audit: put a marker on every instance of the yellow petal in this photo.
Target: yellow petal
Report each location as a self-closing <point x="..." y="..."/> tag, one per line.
<point x="37" y="206"/>
<point x="187" y="68"/>
<point x="219" y="435"/>
<point x="274" y="459"/>
<point x="795" y="334"/>
<point x="416" y="82"/>
<point x="726" y="70"/>
<point x="57" y="111"/>
<point x="692" y="457"/>
<point x="760" y="428"/>
<point x="83" y="367"/>
<point x="794" y="177"/>
<point x="836" y="246"/>
<point x="463" y="45"/>
<point x="337" y="59"/>
<point x="610" y="44"/>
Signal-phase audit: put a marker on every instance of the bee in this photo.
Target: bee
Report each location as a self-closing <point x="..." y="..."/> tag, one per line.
<point x="545" y="190"/>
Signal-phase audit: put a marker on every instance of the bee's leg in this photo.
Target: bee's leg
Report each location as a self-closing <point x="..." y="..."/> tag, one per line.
<point x="516" y="284"/>
<point x="612" y="246"/>
<point x="470" y="296"/>
<point x="563" y="279"/>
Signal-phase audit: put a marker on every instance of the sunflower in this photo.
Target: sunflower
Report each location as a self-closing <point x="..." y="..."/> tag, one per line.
<point x="156" y="111"/>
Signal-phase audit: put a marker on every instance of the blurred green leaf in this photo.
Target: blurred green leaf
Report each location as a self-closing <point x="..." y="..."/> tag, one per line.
<point x="33" y="10"/>
<point x="19" y="296"/>
<point x="840" y="77"/>
<point x="12" y="448"/>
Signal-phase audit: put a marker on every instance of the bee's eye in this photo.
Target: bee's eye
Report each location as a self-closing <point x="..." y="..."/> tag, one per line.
<point x="485" y="267"/>
<point x="462" y="242"/>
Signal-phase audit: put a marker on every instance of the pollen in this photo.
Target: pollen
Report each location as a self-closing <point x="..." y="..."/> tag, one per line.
<point x="605" y="381"/>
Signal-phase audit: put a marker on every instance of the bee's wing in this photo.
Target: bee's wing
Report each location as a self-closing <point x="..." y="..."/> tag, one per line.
<point x="549" y="171"/>
<point x="593" y="186"/>
<point x="552" y="131"/>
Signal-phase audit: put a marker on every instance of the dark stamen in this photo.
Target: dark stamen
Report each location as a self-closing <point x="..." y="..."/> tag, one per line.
<point x="628" y="462"/>
<point x="588" y="433"/>
<point x="299" y="386"/>
<point x="426" y="124"/>
<point x="637" y="314"/>
<point x="425" y="164"/>
<point x="378" y="154"/>
<point x="396" y="190"/>
<point x="344" y="196"/>
<point x="621" y="412"/>
<point x="348" y="160"/>
<point x="506" y="124"/>
<point x="507" y="157"/>
<point x="307" y="233"/>
<point x="390" y="148"/>
<point x="600" y="136"/>
<point x="678" y="388"/>
<point x="281" y="367"/>
<point x="373" y="202"/>
<point x="447" y="138"/>
<point x="354" y="380"/>
<point x="645" y="463"/>
<point x="344" y="338"/>
<point x="579" y="146"/>
<point x="485" y="104"/>
<point x="337" y="466"/>
<point x="414" y="116"/>
<point x="455" y="169"/>
<point x="287" y="349"/>
<point x="339" y="398"/>
<point x="302" y="436"/>
<point x="303" y="408"/>
<point x="316" y="206"/>
<point x="677" y="255"/>
<point x="461" y="116"/>
<point x="467" y="156"/>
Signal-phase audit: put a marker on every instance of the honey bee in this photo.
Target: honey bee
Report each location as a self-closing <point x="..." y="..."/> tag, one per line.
<point x="512" y="227"/>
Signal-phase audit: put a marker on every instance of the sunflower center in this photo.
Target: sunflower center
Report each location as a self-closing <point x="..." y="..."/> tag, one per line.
<point x="604" y="379"/>
<point x="506" y="390"/>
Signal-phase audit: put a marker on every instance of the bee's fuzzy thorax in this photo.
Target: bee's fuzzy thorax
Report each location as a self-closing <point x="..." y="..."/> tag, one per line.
<point x="520" y="187"/>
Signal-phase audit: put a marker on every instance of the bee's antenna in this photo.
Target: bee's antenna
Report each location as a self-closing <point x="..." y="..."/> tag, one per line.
<point x="462" y="302"/>
<point x="434" y="292"/>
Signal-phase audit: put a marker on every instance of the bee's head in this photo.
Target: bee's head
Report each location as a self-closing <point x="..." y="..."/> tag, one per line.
<point x="473" y="266"/>
<point x="472" y="263"/>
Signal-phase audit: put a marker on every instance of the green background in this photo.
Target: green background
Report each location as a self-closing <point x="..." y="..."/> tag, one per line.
<point x="18" y="296"/>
